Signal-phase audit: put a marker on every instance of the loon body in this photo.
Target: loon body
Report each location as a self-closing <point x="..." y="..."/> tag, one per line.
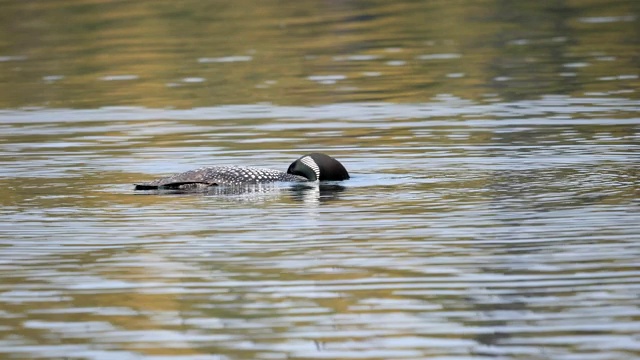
<point x="310" y="167"/>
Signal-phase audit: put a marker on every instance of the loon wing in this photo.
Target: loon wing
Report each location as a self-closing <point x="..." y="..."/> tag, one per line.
<point x="205" y="177"/>
<point x="182" y="185"/>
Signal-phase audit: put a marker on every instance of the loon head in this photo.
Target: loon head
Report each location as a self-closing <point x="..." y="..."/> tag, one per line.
<point x="317" y="166"/>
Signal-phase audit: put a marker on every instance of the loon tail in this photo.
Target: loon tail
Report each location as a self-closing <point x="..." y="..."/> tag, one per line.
<point x="145" y="187"/>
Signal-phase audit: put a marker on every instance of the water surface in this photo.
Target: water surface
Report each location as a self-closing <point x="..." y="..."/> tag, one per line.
<point x="493" y="210"/>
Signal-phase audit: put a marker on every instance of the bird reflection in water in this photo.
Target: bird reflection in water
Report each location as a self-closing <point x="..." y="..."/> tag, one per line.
<point x="313" y="192"/>
<point x="316" y="192"/>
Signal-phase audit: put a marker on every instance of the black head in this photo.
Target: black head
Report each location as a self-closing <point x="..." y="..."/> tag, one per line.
<point x="317" y="166"/>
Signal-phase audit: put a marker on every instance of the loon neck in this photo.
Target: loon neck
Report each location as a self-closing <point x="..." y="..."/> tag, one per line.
<point x="318" y="166"/>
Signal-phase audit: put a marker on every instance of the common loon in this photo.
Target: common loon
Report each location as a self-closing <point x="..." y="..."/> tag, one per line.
<point x="310" y="167"/>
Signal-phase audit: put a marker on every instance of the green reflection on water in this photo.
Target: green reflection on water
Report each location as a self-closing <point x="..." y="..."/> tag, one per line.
<point x="85" y="54"/>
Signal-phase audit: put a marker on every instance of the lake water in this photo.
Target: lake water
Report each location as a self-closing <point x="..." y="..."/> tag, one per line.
<point x="493" y="210"/>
